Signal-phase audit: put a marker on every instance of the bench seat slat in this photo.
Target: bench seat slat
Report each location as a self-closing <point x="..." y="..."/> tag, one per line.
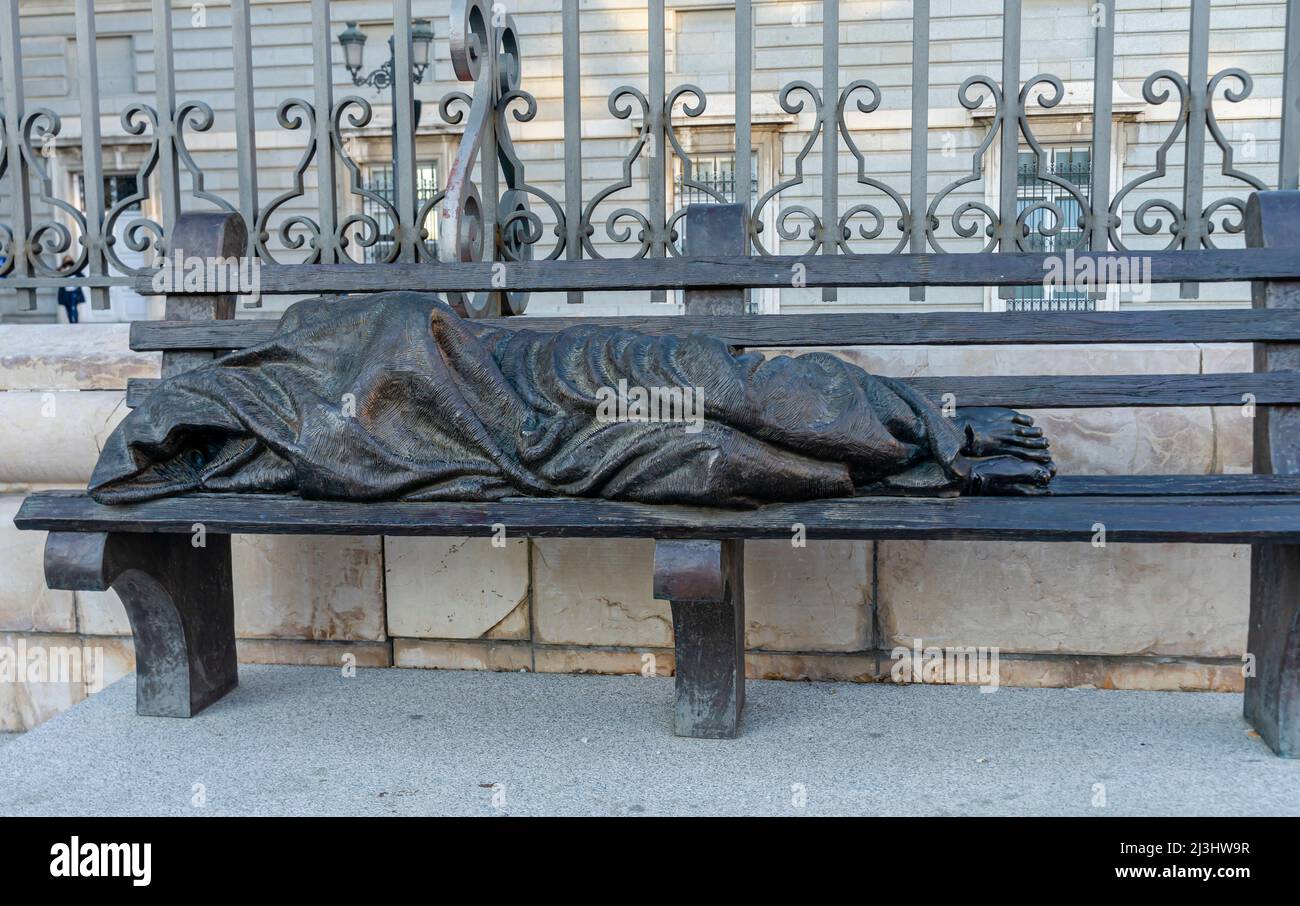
<point x="1063" y="391"/>
<point x="1179" y="518"/>
<point x="1242" y="325"/>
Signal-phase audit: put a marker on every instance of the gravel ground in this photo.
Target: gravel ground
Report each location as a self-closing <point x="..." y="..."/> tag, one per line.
<point x="307" y="741"/>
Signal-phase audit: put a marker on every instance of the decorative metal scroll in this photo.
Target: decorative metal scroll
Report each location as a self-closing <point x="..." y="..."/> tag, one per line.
<point x="199" y="117"/>
<point x="368" y="230"/>
<point x="1149" y="217"/>
<point x="620" y="106"/>
<point x="877" y="217"/>
<point x="492" y="221"/>
<point x="488" y="211"/>
<point x="296" y="230"/>
<point x="1010" y="112"/>
<point x="49" y="238"/>
<point x="59" y="245"/>
<point x="688" y="181"/>
<point x="1225" y="205"/>
<point x="783" y="227"/>
<point x="141" y="233"/>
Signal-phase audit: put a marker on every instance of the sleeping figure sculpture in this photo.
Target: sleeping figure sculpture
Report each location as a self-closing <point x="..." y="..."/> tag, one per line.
<point x="398" y="398"/>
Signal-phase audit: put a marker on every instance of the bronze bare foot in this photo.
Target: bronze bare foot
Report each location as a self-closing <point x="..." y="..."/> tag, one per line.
<point x="1005" y="475"/>
<point x="995" y="431"/>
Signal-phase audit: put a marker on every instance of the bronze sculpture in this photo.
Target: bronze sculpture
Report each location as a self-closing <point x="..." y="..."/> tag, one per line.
<point x="397" y="397"/>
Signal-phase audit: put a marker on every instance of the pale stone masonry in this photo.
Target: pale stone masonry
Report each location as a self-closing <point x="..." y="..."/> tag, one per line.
<point x="1122" y="616"/>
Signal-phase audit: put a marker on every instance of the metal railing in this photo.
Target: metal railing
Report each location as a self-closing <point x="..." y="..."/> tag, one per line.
<point x="488" y="210"/>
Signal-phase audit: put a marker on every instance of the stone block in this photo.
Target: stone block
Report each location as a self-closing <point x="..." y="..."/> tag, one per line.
<point x="598" y="592"/>
<point x="456" y="588"/>
<point x="1186" y="600"/>
<point x="813" y="598"/>
<point x="71" y="357"/>
<point x="458" y="655"/>
<point x="54" y="437"/>
<point x="26" y="604"/>
<point x="309" y="587"/>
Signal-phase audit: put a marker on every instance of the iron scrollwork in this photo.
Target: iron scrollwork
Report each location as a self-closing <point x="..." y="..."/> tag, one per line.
<point x="1149" y="217"/>
<point x="368" y="229"/>
<point x="298" y="229"/>
<point x="965" y="219"/>
<point x="49" y="237"/>
<point x="1048" y="226"/>
<point x="620" y="104"/>
<point x="877" y="217"/>
<point x="485" y="50"/>
<point x="786" y="231"/>
<point x="1010" y="110"/>
<point x="1245" y="85"/>
<point x="1153" y="94"/>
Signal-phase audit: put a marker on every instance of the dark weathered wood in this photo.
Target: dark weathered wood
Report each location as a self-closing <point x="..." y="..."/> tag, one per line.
<point x="1205" y="518"/>
<point x="716" y="230"/>
<point x="1239" y="325"/>
<point x="1103" y="390"/>
<point x="177" y="592"/>
<point x="1062" y="391"/>
<point x="1003" y="269"/>
<point x="207" y="235"/>
<point x="704" y="581"/>
<point x="1272" y="702"/>
<point x="179" y="599"/>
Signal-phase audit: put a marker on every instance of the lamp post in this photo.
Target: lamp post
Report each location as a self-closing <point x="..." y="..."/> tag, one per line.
<point x="352" y="42"/>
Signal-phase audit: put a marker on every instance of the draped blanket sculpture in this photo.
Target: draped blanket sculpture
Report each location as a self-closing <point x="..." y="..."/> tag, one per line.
<point x="397" y="397"/>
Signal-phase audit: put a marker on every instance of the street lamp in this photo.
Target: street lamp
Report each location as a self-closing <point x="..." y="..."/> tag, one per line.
<point x="353" y="42"/>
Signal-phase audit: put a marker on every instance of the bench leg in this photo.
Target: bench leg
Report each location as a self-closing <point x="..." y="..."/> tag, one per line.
<point x="704" y="580"/>
<point x="1273" y="693"/>
<point x="180" y="602"/>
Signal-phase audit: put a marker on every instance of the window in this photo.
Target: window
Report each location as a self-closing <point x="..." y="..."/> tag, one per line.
<point x="124" y="303"/>
<point x="116" y="187"/>
<point x="1072" y="165"/>
<point x="718" y="172"/>
<point x="379" y="179"/>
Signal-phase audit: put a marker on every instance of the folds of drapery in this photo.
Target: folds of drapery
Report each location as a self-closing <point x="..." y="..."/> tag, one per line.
<point x="396" y="397"/>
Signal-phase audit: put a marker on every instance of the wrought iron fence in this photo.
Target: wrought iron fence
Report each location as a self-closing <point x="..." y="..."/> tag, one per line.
<point x="488" y="209"/>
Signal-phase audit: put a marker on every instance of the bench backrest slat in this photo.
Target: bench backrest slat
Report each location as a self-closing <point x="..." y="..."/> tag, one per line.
<point x="1240" y="325"/>
<point x="843" y="271"/>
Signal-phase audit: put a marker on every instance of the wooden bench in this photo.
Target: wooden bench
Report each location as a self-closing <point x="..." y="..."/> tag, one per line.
<point x="178" y="595"/>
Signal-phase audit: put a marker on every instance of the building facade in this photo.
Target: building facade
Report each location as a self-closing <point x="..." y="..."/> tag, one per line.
<point x="870" y="113"/>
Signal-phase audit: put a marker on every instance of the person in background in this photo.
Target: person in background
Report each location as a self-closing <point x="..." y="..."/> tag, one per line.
<point x="71" y="296"/>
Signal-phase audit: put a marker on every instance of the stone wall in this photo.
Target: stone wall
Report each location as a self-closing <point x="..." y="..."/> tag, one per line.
<point x="1122" y="616"/>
